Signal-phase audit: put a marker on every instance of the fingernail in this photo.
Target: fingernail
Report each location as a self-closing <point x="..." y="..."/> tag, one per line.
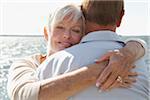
<point x="96" y="60"/>
<point x="107" y="90"/>
<point x="99" y="90"/>
<point x="97" y="84"/>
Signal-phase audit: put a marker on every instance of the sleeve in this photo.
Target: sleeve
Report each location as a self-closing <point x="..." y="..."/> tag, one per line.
<point x="142" y="42"/>
<point x="22" y="83"/>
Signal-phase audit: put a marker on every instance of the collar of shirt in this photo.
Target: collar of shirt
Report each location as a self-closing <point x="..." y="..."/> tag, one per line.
<point x="101" y="36"/>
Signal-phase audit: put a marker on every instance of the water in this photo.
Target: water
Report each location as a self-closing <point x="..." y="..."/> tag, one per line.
<point x="16" y="47"/>
<point x="12" y="48"/>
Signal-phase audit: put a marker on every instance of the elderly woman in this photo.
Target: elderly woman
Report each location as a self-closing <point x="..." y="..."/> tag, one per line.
<point x="67" y="27"/>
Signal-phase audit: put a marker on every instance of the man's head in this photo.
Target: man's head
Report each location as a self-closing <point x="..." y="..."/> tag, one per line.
<point x="103" y="12"/>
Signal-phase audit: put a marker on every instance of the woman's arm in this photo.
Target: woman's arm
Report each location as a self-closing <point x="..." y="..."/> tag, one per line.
<point x="136" y="48"/>
<point x="63" y="86"/>
<point x="22" y="82"/>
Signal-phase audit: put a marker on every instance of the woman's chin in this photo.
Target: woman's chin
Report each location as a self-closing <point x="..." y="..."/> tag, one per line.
<point x="58" y="49"/>
<point x="62" y="48"/>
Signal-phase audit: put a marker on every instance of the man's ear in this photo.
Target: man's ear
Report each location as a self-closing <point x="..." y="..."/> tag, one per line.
<point x="46" y="33"/>
<point x="121" y="16"/>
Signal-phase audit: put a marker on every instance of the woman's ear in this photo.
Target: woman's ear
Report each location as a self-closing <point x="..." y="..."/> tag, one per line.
<point x="46" y="33"/>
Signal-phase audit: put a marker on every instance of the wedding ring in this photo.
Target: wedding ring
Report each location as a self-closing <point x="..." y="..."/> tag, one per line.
<point x="119" y="79"/>
<point x="116" y="50"/>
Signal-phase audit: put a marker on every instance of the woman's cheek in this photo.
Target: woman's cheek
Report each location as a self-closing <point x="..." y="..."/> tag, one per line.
<point x="77" y="39"/>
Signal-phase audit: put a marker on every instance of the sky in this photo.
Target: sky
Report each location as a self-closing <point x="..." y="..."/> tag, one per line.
<point x="28" y="17"/>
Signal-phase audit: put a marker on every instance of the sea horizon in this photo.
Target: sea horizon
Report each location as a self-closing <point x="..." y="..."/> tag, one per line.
<point x="40" y="35"/>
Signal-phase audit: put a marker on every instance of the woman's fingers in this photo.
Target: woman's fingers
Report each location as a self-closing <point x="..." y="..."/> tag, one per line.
<point x="132" y="73"/>
<point x="110" y="80"/>
<point x="116" y="84"/>
<point x="103" y="76"/>
<point x="126" y="83"/>
<point x="118" y="65"/>
<point x="108" y="76"/>
<point x="129" y="80"/>
<point x="113" y="82"/>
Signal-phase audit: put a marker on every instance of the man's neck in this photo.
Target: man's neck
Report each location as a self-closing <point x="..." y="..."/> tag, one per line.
<point x="91" y="27"/>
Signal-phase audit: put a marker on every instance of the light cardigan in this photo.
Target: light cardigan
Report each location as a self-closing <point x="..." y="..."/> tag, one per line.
<point x="22" y="81"/>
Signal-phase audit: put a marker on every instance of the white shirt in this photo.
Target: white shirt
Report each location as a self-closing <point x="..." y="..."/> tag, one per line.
<point x="92" y="46"/>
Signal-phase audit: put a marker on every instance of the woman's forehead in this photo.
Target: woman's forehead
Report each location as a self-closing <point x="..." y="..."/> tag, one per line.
<point x="71" y="16"/>
<point x="69" y="21"/>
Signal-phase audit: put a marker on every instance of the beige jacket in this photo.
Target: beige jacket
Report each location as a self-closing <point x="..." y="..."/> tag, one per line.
<point x="22" y="81"/>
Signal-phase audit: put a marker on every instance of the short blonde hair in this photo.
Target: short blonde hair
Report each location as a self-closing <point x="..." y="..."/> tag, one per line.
<point x="71" y="12"/>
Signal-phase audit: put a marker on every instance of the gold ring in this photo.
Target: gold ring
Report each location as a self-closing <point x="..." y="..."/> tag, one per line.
<point x="119" y="79"/>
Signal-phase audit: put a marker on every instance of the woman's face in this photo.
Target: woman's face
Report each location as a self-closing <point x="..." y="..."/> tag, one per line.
<point x="65" y="34"/>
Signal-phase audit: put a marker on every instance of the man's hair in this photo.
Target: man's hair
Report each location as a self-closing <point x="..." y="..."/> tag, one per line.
<point x="102" y="12"/>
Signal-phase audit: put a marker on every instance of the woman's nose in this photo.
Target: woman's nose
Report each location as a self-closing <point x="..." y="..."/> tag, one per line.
<point x="67" y="34"/>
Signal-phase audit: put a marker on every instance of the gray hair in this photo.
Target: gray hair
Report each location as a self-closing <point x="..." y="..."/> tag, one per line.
<point x="74" y="12"/>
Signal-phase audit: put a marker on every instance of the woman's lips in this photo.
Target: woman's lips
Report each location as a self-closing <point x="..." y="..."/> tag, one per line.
<point x="65" y="44"/>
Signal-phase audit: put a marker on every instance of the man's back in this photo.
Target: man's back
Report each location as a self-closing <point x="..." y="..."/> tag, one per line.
<point x="92" y="47"/>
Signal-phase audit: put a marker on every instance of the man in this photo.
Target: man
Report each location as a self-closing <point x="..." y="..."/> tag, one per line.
<point x="102" y="19"/>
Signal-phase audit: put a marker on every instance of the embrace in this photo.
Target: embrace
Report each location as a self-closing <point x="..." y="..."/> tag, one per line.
<point x="85" y="60"/>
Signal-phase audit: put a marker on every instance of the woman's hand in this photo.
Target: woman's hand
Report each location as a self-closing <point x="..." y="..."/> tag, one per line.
<point x="118" y="71"/>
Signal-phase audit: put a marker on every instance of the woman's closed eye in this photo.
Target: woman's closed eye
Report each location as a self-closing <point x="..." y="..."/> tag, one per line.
<point x="78" y="31"/>
<point x="60" y="27"/>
